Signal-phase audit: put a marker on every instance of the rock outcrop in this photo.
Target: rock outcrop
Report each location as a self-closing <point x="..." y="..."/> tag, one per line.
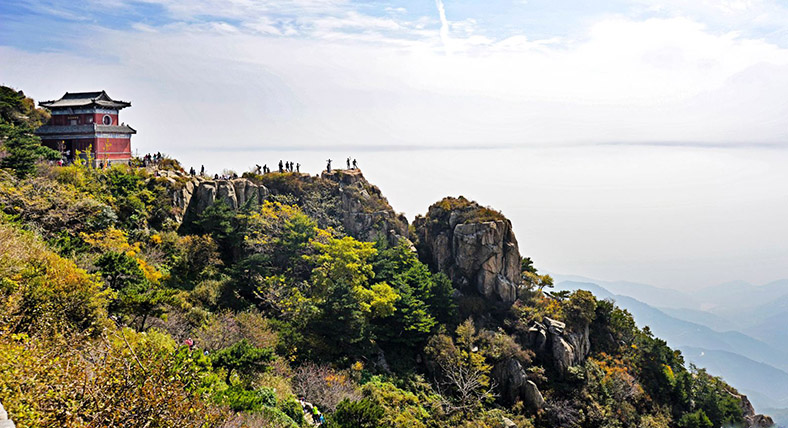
<point x="342" y="199"/>
<point x="475" y="246"/>
<point x="366" y="214"/>
<point x="192" y="195"/>
<point x="552" y="342"/>
<point x="514" y="385"/>
<point x="5" y="422"/>
<point x="751" y="419"/>
<point x="235" y="193"/>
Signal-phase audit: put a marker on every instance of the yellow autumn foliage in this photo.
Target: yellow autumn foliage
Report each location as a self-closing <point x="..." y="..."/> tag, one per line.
<point x="44" y="290"/>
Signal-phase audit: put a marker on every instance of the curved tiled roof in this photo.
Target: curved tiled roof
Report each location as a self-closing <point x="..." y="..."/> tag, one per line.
<point x="85" y="129"/>
<point x="84" y="99"/>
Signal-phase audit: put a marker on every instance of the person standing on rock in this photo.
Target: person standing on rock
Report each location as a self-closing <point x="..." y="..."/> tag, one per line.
<point x="281" y="167"/>
<point x="355" y="165"/>
<point x="298" y="168"/>
<point x="348" y="163"/>
<point x="328" y="165"/>
<point x="202" y="170"/>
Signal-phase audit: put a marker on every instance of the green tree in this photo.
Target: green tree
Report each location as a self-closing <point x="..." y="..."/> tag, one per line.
<point x="346" y="300"/>
<point x="463" y="372"/>
<point x="580" y="308"/>
<point x="696" y="419"/>
<point x="241" y="399"/>
<point x="119" y="270"/>
<point x="425" y="298"/>
<point x="527" y="265"/>
<point x="226" y="227"/>
<point x="136" y="295"/>
<point x="244" y="358"/>
<point x="24" y="149"/>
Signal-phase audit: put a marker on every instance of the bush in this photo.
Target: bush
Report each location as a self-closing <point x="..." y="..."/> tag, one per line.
<point x="244" y="358"/>
<point x="293" y="410"/>
<point x="357" y="414"/>
<point x="241" y="399"/>
<point x="697" y="419"/>
<point x="46" y="291"/>
<point x="128" y="379"/>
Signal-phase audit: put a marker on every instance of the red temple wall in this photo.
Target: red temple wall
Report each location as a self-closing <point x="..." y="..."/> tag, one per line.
<point x="82" y="119"/>
<point x="112" y="148"/>
<point x="102" y="148"/>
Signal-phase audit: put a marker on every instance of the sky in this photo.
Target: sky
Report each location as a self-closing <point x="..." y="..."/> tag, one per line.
<point x="643" y="140"/>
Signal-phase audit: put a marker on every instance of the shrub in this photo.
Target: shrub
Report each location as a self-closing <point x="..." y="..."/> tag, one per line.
<point x="241" y="399"/>
<point x="45" y="290"/>
<point x="127" y="379"/>
<point x="696" y="419"/>
<point x="357" y="414"/>
<point x="292" y="409"/>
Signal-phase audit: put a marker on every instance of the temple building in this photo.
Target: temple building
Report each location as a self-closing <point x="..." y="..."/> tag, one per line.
<point x="87" y="121"/>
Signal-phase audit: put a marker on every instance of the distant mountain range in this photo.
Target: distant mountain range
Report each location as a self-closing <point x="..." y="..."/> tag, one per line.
<point x="734" y="330"/>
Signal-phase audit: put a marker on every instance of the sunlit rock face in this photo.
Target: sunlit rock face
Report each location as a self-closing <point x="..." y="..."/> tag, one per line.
<point x="475" y="246"/>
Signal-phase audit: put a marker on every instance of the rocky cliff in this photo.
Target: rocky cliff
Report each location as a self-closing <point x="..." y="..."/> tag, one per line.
<point x="514" y="385"/>
<point x="365" y="212"/>
<point x="198" y="194"/>
<point x="342" y="199"/>
<point x="752" y="419"/>
<point x="552" y="342"/>
<point x="475" y="246"/>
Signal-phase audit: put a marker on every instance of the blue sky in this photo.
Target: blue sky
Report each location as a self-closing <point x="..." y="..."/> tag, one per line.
<point x="40" y="24"/>
<point x="607" y="96"/>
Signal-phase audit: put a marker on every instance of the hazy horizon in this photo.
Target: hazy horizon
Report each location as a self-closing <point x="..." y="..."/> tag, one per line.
<point x="644" y="214"/>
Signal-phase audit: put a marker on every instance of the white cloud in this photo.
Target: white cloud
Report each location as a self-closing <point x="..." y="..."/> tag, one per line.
<point x="283" y="75"/>
<point x="627" y="80"/>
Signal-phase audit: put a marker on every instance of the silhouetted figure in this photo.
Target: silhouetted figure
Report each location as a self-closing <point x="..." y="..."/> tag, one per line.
<point x="298" y="168"/>
<point x="265" y="169"/>
<point x="191" y="171"/>
<point x="258" y="169"/>
<point x="355" y="165"/>
<point x="328" y="165"/>
<point x="348" y="163"/>
<point x="202" y="170"/>
<point x="216" y="176"/>
<point x="281" y="166"/>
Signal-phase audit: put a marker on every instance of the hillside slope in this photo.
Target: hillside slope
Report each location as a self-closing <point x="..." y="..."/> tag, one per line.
<point x="141" y="296"/>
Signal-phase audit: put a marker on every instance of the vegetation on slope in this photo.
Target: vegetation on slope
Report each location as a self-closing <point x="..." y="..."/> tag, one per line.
<point x="111" y="317"/>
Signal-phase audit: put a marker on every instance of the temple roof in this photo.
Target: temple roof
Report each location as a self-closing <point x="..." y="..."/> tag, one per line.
<point x="85" y="99"/>
<point x="85" y="129"/>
